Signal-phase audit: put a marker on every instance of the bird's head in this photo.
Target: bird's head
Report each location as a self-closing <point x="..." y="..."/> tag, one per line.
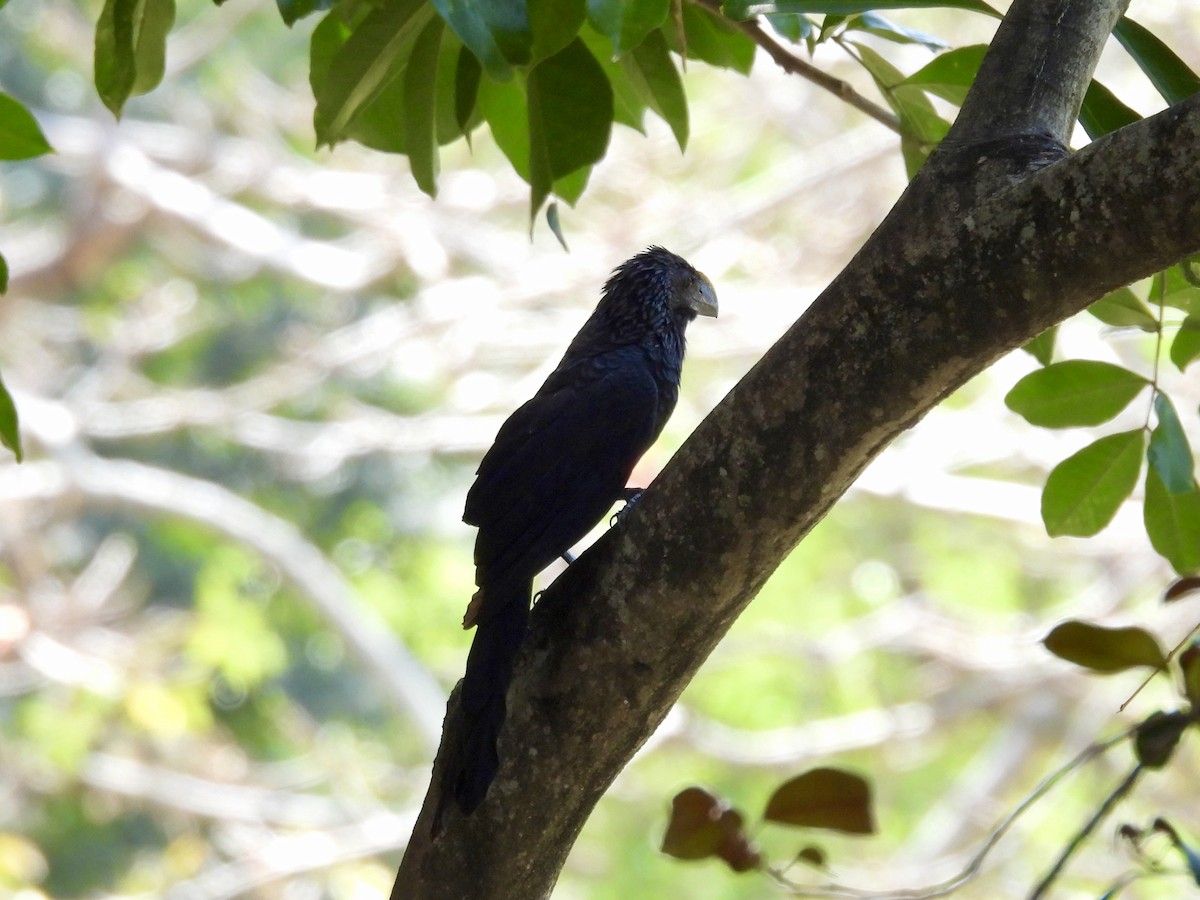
<point x="651" y="293"/>
<point x="693" y="294"/>
<point x="660" y="278"/>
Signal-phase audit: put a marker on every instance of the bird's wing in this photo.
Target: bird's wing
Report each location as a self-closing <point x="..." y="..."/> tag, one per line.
<point x="560" y="461"/>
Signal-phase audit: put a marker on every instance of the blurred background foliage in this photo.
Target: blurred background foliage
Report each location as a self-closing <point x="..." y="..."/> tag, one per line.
<point x="254" y="380"/>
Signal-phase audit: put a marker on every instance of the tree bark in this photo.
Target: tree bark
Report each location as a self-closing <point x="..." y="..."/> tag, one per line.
<point x="1001" y="234"/>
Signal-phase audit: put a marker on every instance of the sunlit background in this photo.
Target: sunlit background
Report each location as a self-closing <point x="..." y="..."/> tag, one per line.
<point x="254" y="381"/>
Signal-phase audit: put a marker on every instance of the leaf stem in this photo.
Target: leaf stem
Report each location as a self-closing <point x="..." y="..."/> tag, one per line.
<point x="1160" y="280"/>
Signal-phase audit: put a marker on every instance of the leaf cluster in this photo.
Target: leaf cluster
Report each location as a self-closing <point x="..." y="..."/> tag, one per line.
<point x="549" y="79"/>
<point x="1106" y="651"/>
<point x="703" y="826"/>
<point x="1084" y="491"/>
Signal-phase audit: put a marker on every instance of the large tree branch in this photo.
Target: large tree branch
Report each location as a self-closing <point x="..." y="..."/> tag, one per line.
<point x="1036" y="71"/>
<point x="999" y="236"/>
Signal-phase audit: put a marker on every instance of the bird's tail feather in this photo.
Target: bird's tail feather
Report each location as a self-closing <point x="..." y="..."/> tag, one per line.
<point x="500" y="628"/>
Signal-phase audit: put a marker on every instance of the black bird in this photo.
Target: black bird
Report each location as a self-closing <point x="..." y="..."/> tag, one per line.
<point x="557" y="466"/>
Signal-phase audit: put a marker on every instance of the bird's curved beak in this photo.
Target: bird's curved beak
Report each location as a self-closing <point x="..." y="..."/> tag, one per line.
<point x="704" y="298"/>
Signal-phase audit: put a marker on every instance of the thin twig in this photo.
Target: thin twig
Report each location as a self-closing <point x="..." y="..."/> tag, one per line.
<point x="1163" y="668"/>
<point x="1110" y="801"/>
<point x="794" y="65"/>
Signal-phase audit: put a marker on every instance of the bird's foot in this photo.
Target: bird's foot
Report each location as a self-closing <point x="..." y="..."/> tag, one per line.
<point x="471" y="617"/>
<point x="631" y="496"/>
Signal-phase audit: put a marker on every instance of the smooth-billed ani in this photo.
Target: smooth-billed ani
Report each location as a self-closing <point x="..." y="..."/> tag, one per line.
<point x="557" y="466"/>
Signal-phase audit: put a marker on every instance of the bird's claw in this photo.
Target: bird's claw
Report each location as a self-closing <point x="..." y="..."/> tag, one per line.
<point x="631" y="496"/>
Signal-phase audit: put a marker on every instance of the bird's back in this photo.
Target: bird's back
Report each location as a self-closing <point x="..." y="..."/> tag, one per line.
<point x="563" y="458"/>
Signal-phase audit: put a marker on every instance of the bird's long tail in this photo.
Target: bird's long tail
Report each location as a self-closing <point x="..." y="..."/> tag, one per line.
<point x="501" y="620"/>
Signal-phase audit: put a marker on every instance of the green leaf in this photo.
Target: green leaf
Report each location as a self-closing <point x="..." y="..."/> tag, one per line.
<point x="328" y="38"/>
<point x="130" y="49"/>
<point x="951" y="74"/>
<point x="1084" y="491"/>
<point x="921" y="127"/>
<point x="377" y="123"/>
<point x="571" y="187"/>
<point x="3" y="274"/>
<point x="1185" y="346"/>
<point x="875" y="24"/>
<point x="1157" y="737"/>
<point x="423" y="97"/>
<point x="151" y="52"/>
<point x="1073" y="393"/>
<point x="711" y="39"/>
<point x="629" y="106"/>
<point x="376" y="52"/>
<point x="10" y="434"/>
<point x="1173" y="524"/>
<point x="292" y="11"/>
<point x="1102" y="112"/>
<point x="1042" y="346"/>
<point x="653" y="75"/>
<point x="420" y="110"/>
<point x="745" y="9"/>
<point x="885" y="74"/>
<point x="829" y="27"/>
<point x="824" y="798"/>
<point x="20" y="135"/>
<point x="1178" y="288"/>
<point x="1122" y="308"/>
<point x="447" y="126"/>
<point x="466" y="88"/>
<point x="506" y="110"/>
<point x="1169" y="454"/>
<point x="1104" y="650"/>
<point x="791" y="27"/>
<point x="626" y="23"/>
<point x="1168" y="73"/>
<point x="570" y="117"/>
<point x="497" y="32"/>
<point x="554" y="23"/>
